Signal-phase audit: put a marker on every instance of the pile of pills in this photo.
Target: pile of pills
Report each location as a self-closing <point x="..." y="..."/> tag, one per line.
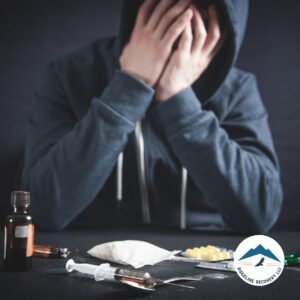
<point x="209" y="253"/>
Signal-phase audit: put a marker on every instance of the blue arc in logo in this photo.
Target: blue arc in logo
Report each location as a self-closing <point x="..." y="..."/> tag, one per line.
<point x="259" y="250"/>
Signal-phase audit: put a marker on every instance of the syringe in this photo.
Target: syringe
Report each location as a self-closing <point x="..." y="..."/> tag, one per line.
<point x="136" y="279"/>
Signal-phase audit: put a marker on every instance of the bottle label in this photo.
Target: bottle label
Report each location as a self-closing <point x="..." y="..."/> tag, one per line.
<point x="21" y="231"/>
<point x="30" y="240"/>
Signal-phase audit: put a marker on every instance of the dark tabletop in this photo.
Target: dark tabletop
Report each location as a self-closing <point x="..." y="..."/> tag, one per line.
<point x="48" y="279"/>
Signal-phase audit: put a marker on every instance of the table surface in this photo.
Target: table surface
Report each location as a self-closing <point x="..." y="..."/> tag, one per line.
<point x="48" y="279"/>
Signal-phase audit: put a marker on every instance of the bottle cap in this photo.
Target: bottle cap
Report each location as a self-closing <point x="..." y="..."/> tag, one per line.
<point x="20" y="198"/>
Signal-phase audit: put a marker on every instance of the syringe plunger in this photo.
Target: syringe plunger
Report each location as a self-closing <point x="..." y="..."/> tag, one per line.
<point x="102" y="272"/>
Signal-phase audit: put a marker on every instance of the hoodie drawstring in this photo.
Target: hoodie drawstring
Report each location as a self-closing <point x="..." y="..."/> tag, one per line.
<point x="184" y="179"/>
<point x="142" y="181"/>
<point x="140" y="150"/>
<point x="119" y="179"/>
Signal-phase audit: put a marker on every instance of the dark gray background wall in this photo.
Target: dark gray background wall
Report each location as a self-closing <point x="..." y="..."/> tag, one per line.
<point x="34" y="32"/>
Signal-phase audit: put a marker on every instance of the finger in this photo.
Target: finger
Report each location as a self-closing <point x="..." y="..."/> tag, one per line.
<point x="186" y="40"/>
<point x="145" y="11"/>
<point x="213" y="31"/>
<point x="199" y="31"/>
<point x="219" y="45"/>
<point x="171" y="15"/>
<point x="158" y="13"/>
<point x="177" y="28"/>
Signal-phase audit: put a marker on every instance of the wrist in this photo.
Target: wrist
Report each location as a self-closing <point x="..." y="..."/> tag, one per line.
<point x="138" y="77"/>
<point x="178" y="111"/>
<point x="163" y="94"/>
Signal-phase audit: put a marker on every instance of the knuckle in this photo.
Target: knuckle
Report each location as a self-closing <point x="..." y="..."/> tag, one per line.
<point x="216" y="34"/>
<point x="174" y="15"/>
<point x="180" y="18"/>
<point x="168" y="42"/>
<point x="146" y="31"/>
<point x="146" y="34"/>
<point x="171" y="35"/>
<point x="175" y="11"/>
<point x="181" y="22"/>
<point x="141" y="12"/>
<point x="178" y="7"/>
<point x="201" y="39"/>
<point x="202" y="32"/>
<point x="174" y="31"/>
<point x="189" y="34"/>
<point x="183" y="18"/>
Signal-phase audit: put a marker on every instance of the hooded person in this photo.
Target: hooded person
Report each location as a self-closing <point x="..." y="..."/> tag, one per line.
<point x="101" y="151"/>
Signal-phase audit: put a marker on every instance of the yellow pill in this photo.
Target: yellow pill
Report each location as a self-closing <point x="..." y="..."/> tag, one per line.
<point x="189" y="251"/>
<point x="209" y="253"/>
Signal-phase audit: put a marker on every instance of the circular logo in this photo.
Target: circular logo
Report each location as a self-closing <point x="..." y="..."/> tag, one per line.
<point x="259" y="260"/>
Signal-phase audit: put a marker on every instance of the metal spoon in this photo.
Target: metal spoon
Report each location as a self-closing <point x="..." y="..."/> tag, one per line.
<point x="157" y="282"/>
<point x="183" y="278"/>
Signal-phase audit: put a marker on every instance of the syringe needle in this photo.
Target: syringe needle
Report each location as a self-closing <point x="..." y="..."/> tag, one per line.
<point x="178" y="285"/>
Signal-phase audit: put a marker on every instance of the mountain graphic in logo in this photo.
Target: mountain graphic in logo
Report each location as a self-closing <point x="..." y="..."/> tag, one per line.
<point x="259" y="250"/>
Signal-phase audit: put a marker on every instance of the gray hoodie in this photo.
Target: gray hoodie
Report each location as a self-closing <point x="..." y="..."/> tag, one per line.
<point x="100" y="150"/>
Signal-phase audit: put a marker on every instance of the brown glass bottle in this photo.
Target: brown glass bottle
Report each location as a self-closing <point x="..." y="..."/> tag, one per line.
<point x="18" y="234"/>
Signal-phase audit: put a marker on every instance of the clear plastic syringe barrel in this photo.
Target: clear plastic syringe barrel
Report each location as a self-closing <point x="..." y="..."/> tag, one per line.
<point x="102" y="272"/>
<point x="107" y="272"/>
<point x="139" y="277"/>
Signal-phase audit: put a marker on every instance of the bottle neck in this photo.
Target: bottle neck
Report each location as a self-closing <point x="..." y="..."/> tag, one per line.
<point x="20" y="210"/>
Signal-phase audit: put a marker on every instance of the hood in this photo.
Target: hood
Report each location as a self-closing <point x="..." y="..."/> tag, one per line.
<point x="233" y="13"/>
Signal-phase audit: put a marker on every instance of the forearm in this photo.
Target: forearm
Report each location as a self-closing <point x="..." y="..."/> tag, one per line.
<point x="241" y="183"/>
<point x="65" y="179"/>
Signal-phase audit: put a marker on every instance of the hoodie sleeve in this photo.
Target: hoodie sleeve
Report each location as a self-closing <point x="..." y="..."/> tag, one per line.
<point x="234" y="163"/>
<point x="68" y="161"/>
